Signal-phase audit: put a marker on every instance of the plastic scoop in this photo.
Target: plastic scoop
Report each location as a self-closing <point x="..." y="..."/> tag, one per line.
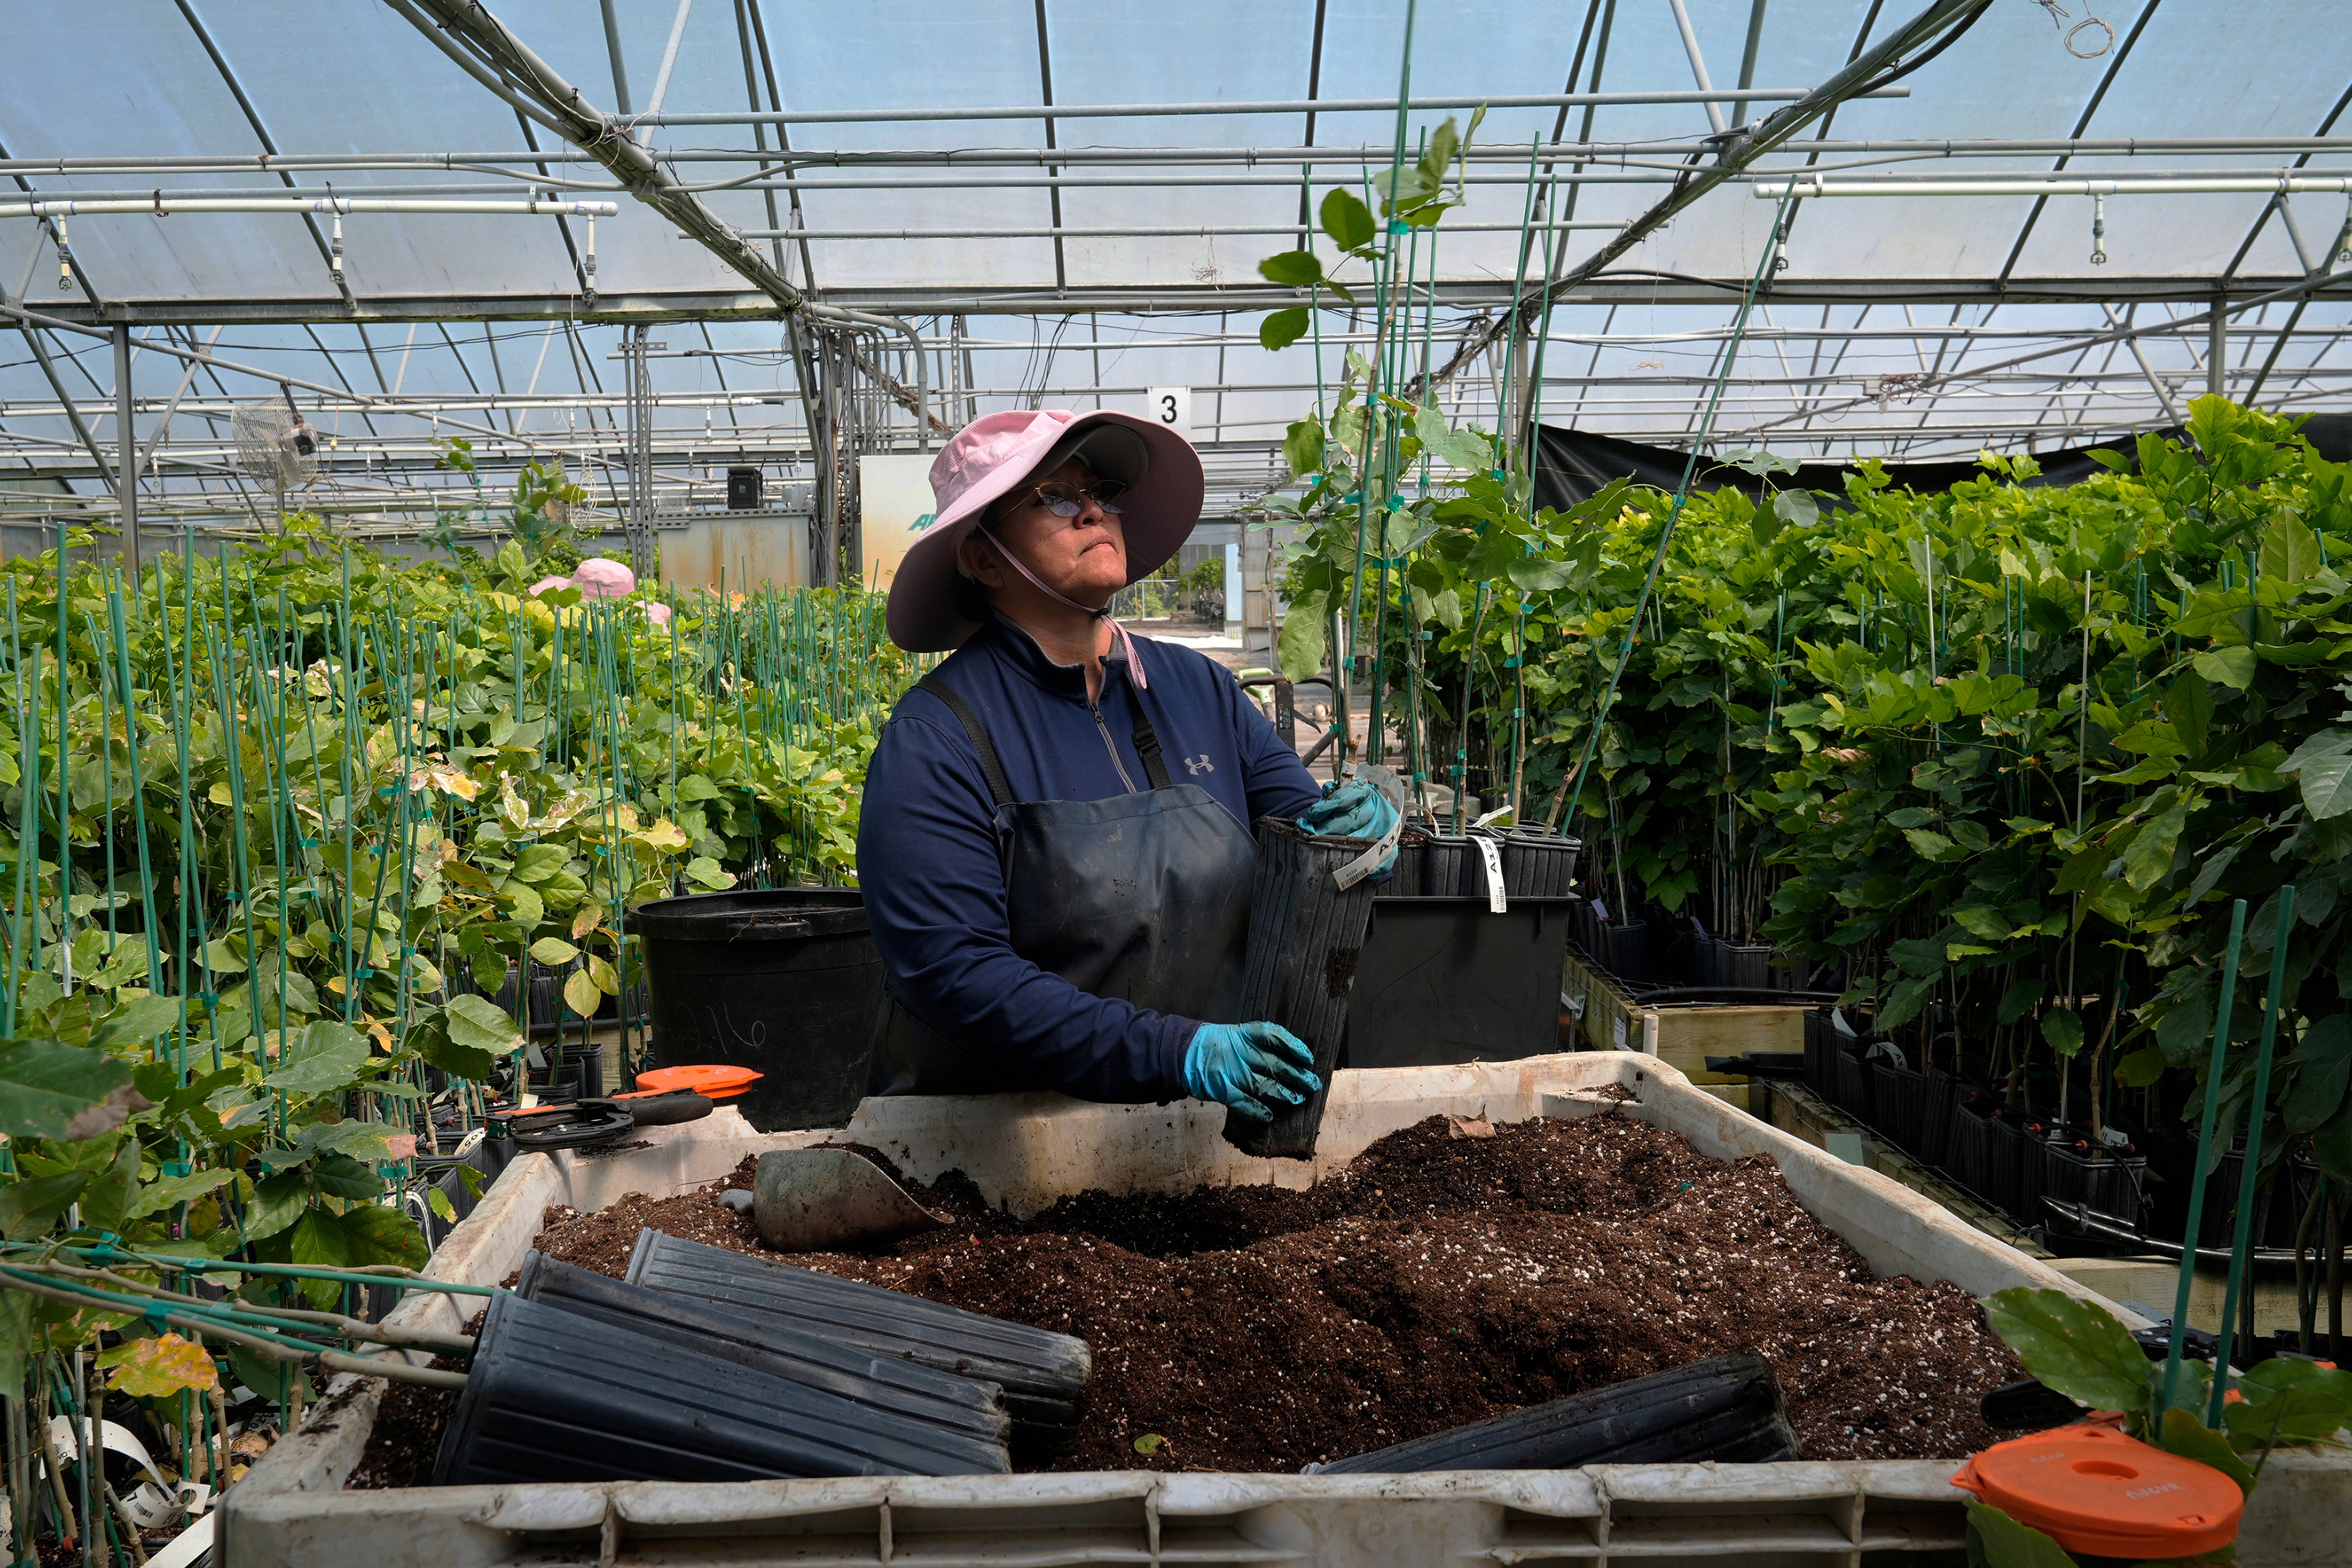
<point x="825" y="1200"/>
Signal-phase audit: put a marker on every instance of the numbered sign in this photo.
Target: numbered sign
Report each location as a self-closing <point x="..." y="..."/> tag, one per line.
<point x="1172" y="407"/>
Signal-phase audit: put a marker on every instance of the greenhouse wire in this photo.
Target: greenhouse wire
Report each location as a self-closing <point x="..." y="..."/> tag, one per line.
<point x="1682" y="498"/>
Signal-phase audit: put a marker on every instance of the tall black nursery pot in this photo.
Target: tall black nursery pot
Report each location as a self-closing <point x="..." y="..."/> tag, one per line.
<point x="1306" y="941"/>
<point x="784" y="981"/>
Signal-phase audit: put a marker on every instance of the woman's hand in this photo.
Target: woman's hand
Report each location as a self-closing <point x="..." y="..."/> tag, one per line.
<point x="1252" y="1069"/>
<point x="1354" y="810"/>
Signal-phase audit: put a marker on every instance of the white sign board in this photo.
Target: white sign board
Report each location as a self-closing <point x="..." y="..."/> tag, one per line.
<point x="894" y="505"/>
<point x="1172" y="407"/>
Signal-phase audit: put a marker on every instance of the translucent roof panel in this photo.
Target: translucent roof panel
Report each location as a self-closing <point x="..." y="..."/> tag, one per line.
<point x="1083" y="256"/>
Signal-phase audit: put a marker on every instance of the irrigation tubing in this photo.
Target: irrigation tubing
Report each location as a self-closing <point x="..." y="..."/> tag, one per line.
<point x="1682" y="498"/>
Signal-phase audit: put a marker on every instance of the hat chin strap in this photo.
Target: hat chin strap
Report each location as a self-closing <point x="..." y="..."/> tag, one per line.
<point x="1126" y="643"/>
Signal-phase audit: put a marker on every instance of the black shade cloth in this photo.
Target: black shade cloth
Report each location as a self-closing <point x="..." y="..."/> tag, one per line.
<point x="1571" y="466"/>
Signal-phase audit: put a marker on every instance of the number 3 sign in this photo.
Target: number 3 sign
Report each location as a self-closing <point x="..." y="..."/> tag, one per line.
<point x="1172" y="407"/>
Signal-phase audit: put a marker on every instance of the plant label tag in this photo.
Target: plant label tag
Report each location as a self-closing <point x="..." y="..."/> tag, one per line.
<point x="1600" y="909"/>
<point x="1617" y="1030"/>
<point x="1492" y="854"/>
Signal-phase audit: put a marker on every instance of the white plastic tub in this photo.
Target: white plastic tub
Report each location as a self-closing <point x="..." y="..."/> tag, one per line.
<point x="1025" y="1151"/>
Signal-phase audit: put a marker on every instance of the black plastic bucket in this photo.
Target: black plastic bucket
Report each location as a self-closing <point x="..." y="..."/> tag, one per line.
<point x="1306" y="945"/>
<point x="555" y="1396"/>
<point x="1626" y="953"/>
<point x="1898" y="1102"/>
<point x="1855" y="1082"/>
<point x="784" y="981"/>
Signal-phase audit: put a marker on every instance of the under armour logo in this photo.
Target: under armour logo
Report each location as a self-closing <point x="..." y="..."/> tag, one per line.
<point x="1198" y="765"/>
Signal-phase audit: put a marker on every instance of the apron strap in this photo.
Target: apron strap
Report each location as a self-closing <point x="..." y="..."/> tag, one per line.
<point x="1146" y="743"/>
<point x="998" y="784"/>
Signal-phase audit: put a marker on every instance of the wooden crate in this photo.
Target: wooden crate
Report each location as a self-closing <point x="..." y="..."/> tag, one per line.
<point x="1681" y="1036"/>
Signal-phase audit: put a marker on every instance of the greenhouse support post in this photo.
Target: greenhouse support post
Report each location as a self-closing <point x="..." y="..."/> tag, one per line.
<point x="2217" y="350"/>
<point x="2204" y="1137"/>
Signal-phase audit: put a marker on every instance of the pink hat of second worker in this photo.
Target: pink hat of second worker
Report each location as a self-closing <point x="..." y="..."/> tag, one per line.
<point x="994" y="455"/>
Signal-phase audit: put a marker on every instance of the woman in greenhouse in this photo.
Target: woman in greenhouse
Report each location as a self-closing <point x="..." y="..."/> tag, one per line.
<point x="1055" y="845"/>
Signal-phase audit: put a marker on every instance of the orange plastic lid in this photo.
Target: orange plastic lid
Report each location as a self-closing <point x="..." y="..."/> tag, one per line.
<point x="713" y="1080"/>
<point x="2093" y="1490"/>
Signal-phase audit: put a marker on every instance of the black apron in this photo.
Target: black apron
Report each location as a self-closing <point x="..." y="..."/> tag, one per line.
<point x="1143" y="897"/>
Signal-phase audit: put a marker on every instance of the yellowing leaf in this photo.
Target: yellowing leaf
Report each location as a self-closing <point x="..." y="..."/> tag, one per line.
<point x="151" y="1369"/>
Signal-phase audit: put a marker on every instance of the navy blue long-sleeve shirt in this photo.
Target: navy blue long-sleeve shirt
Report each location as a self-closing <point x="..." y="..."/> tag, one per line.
<point x="928" y="857"/>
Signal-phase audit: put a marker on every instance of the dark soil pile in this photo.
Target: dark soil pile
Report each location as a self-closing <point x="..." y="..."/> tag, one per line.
<point x="1450" y="1273"/>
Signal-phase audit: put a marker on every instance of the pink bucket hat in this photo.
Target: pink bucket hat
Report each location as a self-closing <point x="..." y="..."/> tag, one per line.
<point x="992" y="456"/>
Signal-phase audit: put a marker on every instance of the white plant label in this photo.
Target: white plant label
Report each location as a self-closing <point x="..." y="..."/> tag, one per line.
<point x="1172" y="407"/>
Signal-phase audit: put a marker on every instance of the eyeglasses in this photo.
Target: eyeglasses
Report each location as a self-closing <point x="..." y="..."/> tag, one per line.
<point x="1068" y="500"/>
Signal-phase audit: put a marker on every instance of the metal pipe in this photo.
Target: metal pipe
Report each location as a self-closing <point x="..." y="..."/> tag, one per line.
<point x="1256" y="106"/>
<point x="1698" y="67"/>
<point x="1771" y="187"/>
<point x="875" y="322"/>
<point x="2217" y="355"/>
<point x="669" y="58"/>
<point x="1169" y="232"/>
<point x="166" y="206"/>
<point x="126" y="455"/>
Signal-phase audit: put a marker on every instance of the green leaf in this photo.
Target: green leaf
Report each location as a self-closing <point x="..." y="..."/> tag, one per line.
<point x="1757" y="461"/>
<point x="108" y="1199"/>
<point x="1301" y="644"/>
<point x="2141" y="1068"/>
<point x="2019" y="1000"/>
<point x="1292" y="269"/>
<point x="1302" y="447"/>
<point x="443" y="1209"/>
<point x="2299" y="1401"/>
<point x="341" y="1176"/>
<point x="49" y="1090"/>
<point x="1931" y="846"/>
<point x="2328" y="785"/>
<point x="164" y="1192"/>
<point x="1280" y="329"/>
<point x="1537" y="574"/>
<point x="1902" y="1003"/>
<point x="705" y="872"/>
<point x="375" y="1233"/>
<point x="318" y="1242"/>
<point x="1347" y="220"/>
<point x="553" y="950"/>
<point x="2074" y="1347"/>
<point x="2230" y="667"/>
<point x="527" y="910"/>
<point x="2149" y="854"/>
<point x="278" y="1202"/>
<point x="2184" y="1435"/>
<point x="2009" y="1544"/>
<point x="29" y="1205"/>
<point x="324" y="1057"/>
<point x="2189" y="706"/>
<point x="2331" y="1146"/>
<point x="2323" y="1065"/>
<point x="538" y="862"/>
<point x="475" y="1022"/>
<point x="2291" y="554"/>
<point x="581" y="995"/>
<point x="2062" y="1027"/>
<point x="1797" y="508"/>
<point x="1445" y="608"/>
<point x="141" y="1018"/>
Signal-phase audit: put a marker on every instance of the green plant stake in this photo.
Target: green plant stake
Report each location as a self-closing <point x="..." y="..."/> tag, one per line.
<point x="2241" y="1244"/>
<point x="2204" y="1137"/>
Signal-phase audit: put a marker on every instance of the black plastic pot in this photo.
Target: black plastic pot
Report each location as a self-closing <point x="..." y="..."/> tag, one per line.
<point x="1409" y="878"/>
<point x="1898" y="1102"/>
<point x="1306" y="948"/>
<point x="1725" y="1408"/>
<point x="1043" y="1374"/>
<point x="1943" y="1097"/>
<point x="1445" y="980"/>
<point x="1625" y="949"/>
<point x="1538" y="865"/>
<point x="1969" y="1151"/>
<point x="900" y="1389"/>
<point x="1747" y="965"/>
<point x="553" y="1395"/>
<point x="1449" y="864"/>
<point x="1822" y="1041"/>
<point x="2013" y="1178"/>
<point x="573" y="1072"/>
<point x="2077" y="1169"/>
<point x="784" y="981"/>
<point x="1853" y="1080"/>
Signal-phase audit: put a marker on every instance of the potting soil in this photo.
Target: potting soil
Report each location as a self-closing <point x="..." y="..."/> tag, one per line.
<point x="1452" y="1271"/>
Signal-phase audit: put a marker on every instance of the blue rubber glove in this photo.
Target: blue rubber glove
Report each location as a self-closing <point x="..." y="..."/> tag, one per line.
<point x="1354" y="810"/>
<point x="1254" y="1069"/>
